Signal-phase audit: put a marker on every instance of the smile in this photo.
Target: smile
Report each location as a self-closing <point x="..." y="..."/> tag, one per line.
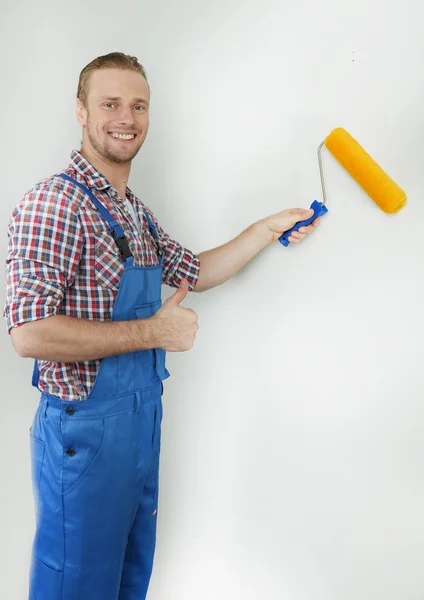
<point x="123" y="136"/>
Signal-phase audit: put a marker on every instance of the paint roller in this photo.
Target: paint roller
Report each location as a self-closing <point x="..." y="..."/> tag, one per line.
<point x="364" y="170"/>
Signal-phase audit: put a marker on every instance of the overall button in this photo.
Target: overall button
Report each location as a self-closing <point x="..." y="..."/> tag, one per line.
<point x="70" y="410"/>
<point x="70" y="452"/>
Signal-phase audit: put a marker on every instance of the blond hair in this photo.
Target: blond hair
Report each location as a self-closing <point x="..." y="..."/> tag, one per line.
<point x="114" y="60"/>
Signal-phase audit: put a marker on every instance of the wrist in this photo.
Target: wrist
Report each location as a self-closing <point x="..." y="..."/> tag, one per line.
<point x="146" y="333"/>
<point x="262" y="230"/>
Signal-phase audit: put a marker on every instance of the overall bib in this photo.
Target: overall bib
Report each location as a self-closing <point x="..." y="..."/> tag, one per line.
<point x="95" y="463"/>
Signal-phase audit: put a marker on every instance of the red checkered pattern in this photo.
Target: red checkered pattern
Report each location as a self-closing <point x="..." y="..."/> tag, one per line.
<point x="62" y="260"/>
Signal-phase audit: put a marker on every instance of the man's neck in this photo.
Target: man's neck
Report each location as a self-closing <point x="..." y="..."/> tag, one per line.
<point x="117" y="174"/>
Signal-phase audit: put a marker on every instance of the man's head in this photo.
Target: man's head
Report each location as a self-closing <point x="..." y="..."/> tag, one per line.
<point x="113" y="107"/>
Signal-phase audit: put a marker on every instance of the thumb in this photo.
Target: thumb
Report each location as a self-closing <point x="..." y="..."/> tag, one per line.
<point x="180" y="294"/>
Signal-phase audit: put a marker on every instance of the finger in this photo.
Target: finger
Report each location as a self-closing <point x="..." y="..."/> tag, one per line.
<point x="180" y="294"/>
<point x="306" y="230"/>
<point x="295" y="240"/>
<point x="309" y="228"/>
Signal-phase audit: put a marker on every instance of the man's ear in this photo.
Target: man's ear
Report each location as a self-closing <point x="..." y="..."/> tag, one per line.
<point x="81" y="113"/>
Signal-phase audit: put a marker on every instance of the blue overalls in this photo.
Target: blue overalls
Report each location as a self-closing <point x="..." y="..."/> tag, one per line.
<point x="95" y="463"/>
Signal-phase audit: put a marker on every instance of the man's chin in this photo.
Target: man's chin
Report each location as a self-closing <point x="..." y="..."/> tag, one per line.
<point x="121" y="157"/>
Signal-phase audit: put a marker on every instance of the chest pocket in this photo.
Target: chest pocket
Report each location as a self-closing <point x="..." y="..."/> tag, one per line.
<point x="109" y="265"/>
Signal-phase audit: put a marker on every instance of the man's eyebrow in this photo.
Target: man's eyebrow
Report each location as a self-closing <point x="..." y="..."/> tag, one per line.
<point x="116" y="98"/>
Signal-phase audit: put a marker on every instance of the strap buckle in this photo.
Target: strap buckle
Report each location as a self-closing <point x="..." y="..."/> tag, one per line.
<point x="123" y="245"/>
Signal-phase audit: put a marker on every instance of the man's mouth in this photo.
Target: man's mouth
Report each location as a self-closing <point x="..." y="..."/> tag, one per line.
<point x="122" y="136"/>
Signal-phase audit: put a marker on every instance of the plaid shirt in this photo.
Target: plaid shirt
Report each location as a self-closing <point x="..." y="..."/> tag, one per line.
<point x="63" y="260"/>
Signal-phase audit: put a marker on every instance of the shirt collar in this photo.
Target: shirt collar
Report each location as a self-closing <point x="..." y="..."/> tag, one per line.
<point x="93" y="177"/>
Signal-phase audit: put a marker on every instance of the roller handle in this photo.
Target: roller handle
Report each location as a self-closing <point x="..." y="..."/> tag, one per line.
<point x="319" y="211"/>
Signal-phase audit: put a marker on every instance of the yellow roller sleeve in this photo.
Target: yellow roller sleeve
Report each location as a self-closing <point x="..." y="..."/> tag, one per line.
<point x="366" y="172"/>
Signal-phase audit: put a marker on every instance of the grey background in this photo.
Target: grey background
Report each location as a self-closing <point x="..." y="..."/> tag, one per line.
<point x="292" y="463"/>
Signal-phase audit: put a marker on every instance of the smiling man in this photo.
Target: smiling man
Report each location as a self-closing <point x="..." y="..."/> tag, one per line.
<point x="85" y="266"/>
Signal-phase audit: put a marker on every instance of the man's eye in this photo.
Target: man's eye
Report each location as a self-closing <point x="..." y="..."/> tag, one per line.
<point x="109" y="105"/>
<point x="139" y="108"/>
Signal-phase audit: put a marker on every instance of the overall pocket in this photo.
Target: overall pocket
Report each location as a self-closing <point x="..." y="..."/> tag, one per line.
<point x="83" y="440"/>
<point x="157" y="447"/>
<point x="37" y="449"/>
<point x="45" y="583"/>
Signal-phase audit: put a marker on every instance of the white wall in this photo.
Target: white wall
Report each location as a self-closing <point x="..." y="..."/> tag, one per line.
<point x="293" y="454"/>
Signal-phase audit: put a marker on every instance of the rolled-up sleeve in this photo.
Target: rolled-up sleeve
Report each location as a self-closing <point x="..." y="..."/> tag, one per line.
<point x="178" y="262"/>
<point x="44" y="249"/>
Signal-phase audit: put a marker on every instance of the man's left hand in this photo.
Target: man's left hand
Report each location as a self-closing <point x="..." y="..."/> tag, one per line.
<point x="280" y="222"/>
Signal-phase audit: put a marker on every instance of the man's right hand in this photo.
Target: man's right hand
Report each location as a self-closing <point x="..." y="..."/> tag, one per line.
<point x="60" y="338"/>
<point x="175" y="327"/>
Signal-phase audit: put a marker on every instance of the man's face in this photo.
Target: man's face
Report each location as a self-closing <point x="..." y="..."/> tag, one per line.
<point x="116" y="118"/>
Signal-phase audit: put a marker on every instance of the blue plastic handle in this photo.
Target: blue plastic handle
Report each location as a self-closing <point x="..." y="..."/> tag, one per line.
<point x="319" y="211"/>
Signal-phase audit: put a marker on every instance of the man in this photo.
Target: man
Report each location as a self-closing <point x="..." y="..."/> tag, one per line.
<point x="85" y="266"/>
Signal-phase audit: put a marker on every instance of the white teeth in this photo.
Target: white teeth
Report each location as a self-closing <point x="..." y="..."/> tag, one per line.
<point x="123" y="136"/>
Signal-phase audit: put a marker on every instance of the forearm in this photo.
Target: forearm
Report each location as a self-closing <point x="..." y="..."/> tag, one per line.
<point x="66" y="339"/>
<point x="219" y="264"/>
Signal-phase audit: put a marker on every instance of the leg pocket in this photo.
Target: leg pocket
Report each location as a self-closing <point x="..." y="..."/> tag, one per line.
<point x="37" y="457"/>
<point x="45" y="583"/>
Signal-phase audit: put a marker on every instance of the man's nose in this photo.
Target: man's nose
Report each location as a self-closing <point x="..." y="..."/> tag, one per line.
<point x="126" y="115"/>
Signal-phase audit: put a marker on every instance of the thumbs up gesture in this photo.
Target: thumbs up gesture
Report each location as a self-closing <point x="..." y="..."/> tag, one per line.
<point x="175" y="326"/>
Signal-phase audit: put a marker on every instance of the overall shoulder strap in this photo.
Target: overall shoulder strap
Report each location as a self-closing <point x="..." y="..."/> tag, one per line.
<point x="115" y="229"/>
